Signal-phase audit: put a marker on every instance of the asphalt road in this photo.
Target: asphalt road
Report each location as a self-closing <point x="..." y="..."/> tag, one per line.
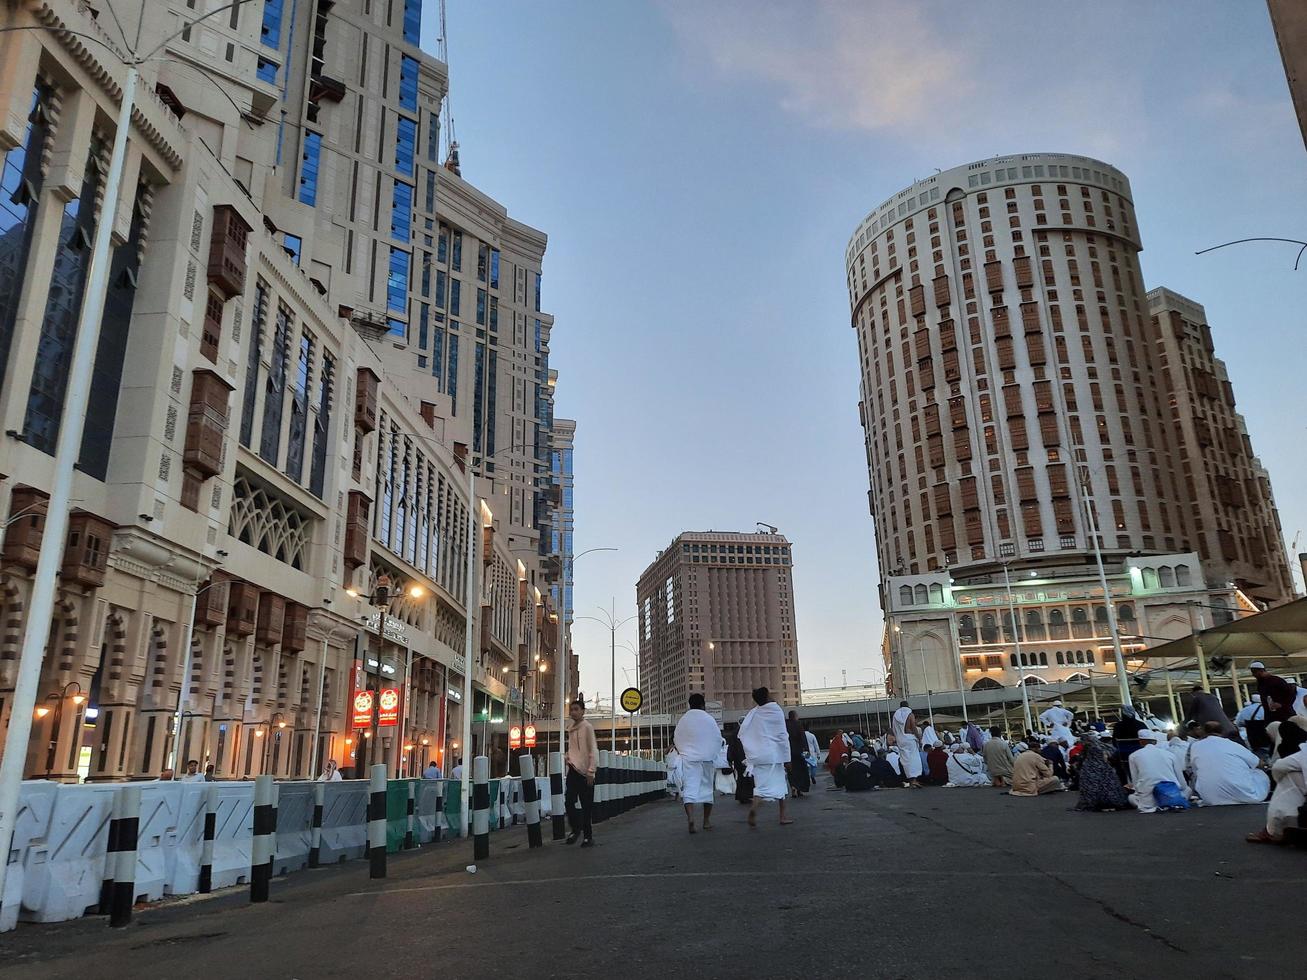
<point x="897" y="883"/>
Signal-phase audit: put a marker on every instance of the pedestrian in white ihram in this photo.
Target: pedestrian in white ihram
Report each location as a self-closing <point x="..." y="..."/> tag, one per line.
<point x="1057" y="720"/>
<point x="904" y="727"/>
<point x="698" y="742"/>
<point x="766" y="753"/>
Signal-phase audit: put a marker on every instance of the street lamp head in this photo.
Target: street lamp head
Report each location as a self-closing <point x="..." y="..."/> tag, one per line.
<point x="42" y="711"/>
<point x="79" y="699"/>
<point x="352" y="593"/>
<point x="417" y="592"/>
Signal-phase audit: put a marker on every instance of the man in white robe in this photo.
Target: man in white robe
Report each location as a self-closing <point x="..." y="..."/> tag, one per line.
<point x="1151" y="764"/>
<point x="904" y="727"/>
<point x="1057" y="720"/>
<point x="698" y="742"/>
<point x="1226" y="773"/>
<point x="965" y="768"/>
<point x="766" y="753"/>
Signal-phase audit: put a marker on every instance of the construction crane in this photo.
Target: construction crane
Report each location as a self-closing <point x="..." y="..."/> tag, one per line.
<point x="447" y="129"/>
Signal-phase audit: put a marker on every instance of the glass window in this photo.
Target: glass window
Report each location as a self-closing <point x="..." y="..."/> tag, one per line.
<point x="406" y="136"/>
<point x="270" y="33"/>
<point x="20" y="190"/>
<point x="431" y="192"/>
<point x="455" y="291"/>
<point x="397" y="281"/>
<point x="456" y="257"/>
<point x="494" y="268"/>
<point x="413" y="21"/>
<point x="451" y="384"/>
<point x="267" y="71"/>
<point x="396" y="328"/>
<point x="481" y="307"/>
<point x="310" y="159"/>
<point x="401" y="212"/>
<point x="408" y="83"/>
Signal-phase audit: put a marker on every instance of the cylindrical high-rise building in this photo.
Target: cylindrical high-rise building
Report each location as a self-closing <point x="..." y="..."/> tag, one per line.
<point x="1008" y="357"/>
<point x="1001" y="318"/>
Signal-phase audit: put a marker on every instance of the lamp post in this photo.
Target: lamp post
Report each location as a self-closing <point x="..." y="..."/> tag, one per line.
<point x="188" y="658"/>
<point x="613" y="625"/>
<point x="1122" y="679"/>
<point x="565" y="661"/>
<point x="1016" y="644"/>
<point x="314" y="761"/>
<point x="276" y="725"/>
<point x="58" y="697"/>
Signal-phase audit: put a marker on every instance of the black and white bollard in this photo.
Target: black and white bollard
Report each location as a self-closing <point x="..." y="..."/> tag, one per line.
<point x="377" y="821"/>
<point x="557" y="804"/>
<point x="265" y="834"/>
<point x="602" y="786"/>
<point x="206" y="842"/>
<point x="315" y="829"/>
<point x="123" y="896"/>
<point x="111" y="854"/>
<point x="410" y="837"/>
<point x="438" y="824"/>
<point x="531" y="802"/>
<point x="480" y="808"/>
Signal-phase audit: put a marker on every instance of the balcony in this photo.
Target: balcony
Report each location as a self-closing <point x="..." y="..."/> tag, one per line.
<point x="206" y="423"/>
<point x="365" y="400"/>
<point x="242" y="609"/>
<point x="86" y="554"/>
<point x="324" y="88"/>
<point x="271" y="619"/>
<point x="227" y="244"/>
<point x="23" y="536"/>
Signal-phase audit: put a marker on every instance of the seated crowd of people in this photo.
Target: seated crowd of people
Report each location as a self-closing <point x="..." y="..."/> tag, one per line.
<point x="1137" y="764"/>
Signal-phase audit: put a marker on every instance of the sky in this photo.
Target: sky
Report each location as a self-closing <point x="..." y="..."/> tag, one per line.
<point x="699" y="167"/>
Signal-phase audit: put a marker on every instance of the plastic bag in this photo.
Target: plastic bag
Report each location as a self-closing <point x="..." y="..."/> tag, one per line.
<point x="1169" y="796"/>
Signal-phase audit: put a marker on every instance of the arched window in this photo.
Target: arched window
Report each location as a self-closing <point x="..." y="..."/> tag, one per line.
<point x="1100" y="615"/>
<point x="1150" y="578"/>
<point x="1057" y="629"/>
<point x="921" y="596"/>
<point x="905" y="595"/>
<point x="1060" y="660"/>
<point x="1032" y="679"/>
<point x="1012" y="659"/>
<point x="1166" y="577"/>
<point x="987" y="684"/>
<point x="1008" y="635"/>
<point x="937" y="594"/>
<point x="1182" y="575"/>
<point x="1080" y="622"/>
<point x="967" y="628"/>
<point x="1035" y="625"/>
<point x="1043" y="659"/>
<point x="988" y="629"/>
<point x="1081" y="678"/>
<point x="1126" y="612"/>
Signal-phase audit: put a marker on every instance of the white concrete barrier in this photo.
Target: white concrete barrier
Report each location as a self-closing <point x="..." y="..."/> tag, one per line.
<point x="60" y="842"/>
<point x="294" y="827"/>
<point x="344" y="820"/>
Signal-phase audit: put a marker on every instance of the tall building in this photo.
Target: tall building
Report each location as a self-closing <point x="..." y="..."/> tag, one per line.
<point x="1014" y="408"/>
<point x="716" y="615"/>
<point x="564" y="483"/>
<point x="265" y="445"/>
<point x="1289" y="20"/>
<point x="1229" y="513"/>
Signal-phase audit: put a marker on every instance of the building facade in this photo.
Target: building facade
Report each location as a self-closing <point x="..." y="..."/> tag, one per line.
<point x="1013" y="403"/>
<point x="716" y="617"/>
<point x="252" y="468"/>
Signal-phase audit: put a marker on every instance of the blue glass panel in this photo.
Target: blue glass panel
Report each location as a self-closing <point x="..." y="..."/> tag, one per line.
<point x="267" y="71"/>
<point x="455" y="294"/>
<point x="494" y="268"/>
<point x="270" y="33"/>
<point x="396" y="328"/>
<point x="406" y="136"/>
<point x="401" y="212"/>
<point x="310" y="160"/>
<point x="424" y="324"/>
<point x="293" y="244"/>
<point x="408" y="83"/>
<point x="451" y="384"/>
<point x="20" y="190"/>
<point x="397" y="281"/>
<point x="413" y="21"/>
<point x="478" y="395"/>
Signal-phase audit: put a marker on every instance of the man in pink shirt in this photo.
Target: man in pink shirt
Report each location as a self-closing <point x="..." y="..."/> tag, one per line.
<point x="582" y="758"/>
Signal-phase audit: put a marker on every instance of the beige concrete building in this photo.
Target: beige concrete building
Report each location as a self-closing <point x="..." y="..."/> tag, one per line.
<point x="1014" y="403"/>
<point x="716" y="616"/>
<point x="1289" y="20"/>
<point x="251" y="459"/>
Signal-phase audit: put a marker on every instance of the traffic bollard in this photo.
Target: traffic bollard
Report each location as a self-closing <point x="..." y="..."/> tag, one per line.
<point x="265" y="830"/>
<point x="315" y="831"/>
<point x="480" y="808"/>
<point x="377" y="821"/>
<point x="123" y="896"/>
<point x="557" y="801"/>
<point x="601" y="787"/>
<point x="410" y="841"/>
<point x="438" y="824"/>
<point x="531" y="802"/>
<point x="111" y="854"/>
<point x="210" y="831"/>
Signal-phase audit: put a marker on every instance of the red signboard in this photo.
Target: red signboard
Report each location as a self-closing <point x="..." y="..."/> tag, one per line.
<point x="515" y="737"/>
<point x="360" y="699"/>
<point x="530" y="740"/>
<point x="388" y="707"/>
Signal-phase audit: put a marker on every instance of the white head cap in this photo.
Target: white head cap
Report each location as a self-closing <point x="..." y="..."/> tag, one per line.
<point x="1057" y="703"/>
<point x="1257" y="698"/>
<point x="1148" y="735"/>
<point x="1257" y="665"/>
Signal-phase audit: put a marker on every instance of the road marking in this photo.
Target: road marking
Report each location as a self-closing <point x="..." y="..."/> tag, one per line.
<point x="843" y="872"/>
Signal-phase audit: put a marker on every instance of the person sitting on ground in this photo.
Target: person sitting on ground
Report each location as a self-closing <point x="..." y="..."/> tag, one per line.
<point x="997" y="754"/>
<point x="966" y="768"/>
<point x="1052" y="751"/>
<point x="1225" y="772"/>
<point x="1155" y="776"/>
<point x="1032" y="775"/>
<point x="1207" y="710"/>
<point x="1251" y="722"/>
<point x="837" y="753"/>
<point x="1125" y="736"/>
<point x="1100" y="787"/>
<point x="1290" y="782"/>
<point x="936" y="766"/>
<point x="883" y="773"/>
<point x="857" y="774"/>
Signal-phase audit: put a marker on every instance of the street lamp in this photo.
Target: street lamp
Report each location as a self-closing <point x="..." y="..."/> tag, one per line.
<point x="188" y="639"/>
<point x="613" y="625"/>
<point x="278" y="722"/>
<point x="565" y="661"/>
<point x="58" y="698"/>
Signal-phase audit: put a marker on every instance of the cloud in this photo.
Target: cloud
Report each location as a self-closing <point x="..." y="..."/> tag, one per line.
<point x="836" y="65"/>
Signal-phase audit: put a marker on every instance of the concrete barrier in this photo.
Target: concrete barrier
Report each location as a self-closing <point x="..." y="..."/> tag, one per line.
<point x="344" y="810"/>
<point x="294" y="840"/>
<point x="60" y="839"/>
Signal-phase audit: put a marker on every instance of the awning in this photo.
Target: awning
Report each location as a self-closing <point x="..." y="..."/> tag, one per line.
<point x="1277" y="636"/>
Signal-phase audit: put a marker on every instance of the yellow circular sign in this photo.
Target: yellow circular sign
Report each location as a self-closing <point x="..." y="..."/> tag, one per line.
<point x="631" y="699"/>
